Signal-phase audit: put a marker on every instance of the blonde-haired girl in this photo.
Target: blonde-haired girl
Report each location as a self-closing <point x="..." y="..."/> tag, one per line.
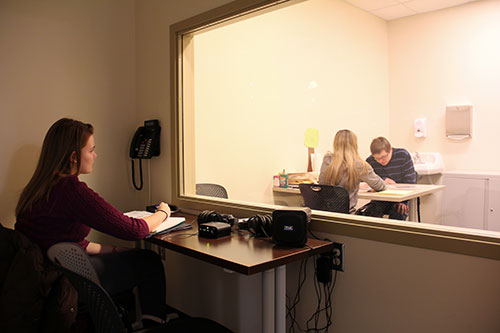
<point x="344" y="167"/>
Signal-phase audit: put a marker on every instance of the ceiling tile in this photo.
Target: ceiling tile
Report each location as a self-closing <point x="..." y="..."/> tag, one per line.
<point x="373" y="4"/>
<point x="393" y="12"/>
<point x="392" y="9"/>
<point x="422" y="6"/>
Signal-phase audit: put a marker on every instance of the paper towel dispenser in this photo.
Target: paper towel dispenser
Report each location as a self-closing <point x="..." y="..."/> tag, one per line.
<point x="459" y="122"/>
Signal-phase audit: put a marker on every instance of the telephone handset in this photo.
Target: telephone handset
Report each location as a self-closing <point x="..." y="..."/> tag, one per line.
<point x="146" y="141"/>
<point x="145" y="144"/>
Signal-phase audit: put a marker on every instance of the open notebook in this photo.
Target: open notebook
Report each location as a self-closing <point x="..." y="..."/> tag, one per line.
<point x="170" y="224"/>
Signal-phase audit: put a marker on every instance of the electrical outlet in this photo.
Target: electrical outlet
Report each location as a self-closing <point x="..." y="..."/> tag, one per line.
<point x="338" y="257"/>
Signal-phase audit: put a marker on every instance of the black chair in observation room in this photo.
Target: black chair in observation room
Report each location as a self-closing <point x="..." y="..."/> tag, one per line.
<point x="211" y="190"/>
<point x="330" y="198"/>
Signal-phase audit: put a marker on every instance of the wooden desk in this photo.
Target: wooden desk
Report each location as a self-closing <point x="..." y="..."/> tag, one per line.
<point x="245" y="254"/>
<point x="394" y="193"/>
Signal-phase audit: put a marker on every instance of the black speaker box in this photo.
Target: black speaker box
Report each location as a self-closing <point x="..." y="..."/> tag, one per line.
<point x="289" y="226"/>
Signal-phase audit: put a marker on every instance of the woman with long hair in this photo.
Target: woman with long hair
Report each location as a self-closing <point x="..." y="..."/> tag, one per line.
<point x="344" y="167"/>
<point x="56" y="207"/>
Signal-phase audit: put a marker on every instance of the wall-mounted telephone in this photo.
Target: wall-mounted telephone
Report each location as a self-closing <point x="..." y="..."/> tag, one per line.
<point x="145" y="144"/>
<point x="146" y="141"/>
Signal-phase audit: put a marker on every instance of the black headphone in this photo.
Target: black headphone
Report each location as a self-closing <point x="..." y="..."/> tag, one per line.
<point x="258" y="225"/>
<point x="213" y="216"/>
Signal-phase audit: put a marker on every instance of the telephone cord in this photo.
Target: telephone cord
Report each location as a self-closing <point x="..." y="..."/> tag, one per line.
<point x="138" y="188"/>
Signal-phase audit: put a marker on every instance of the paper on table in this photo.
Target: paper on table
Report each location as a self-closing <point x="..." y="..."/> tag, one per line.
<point x="169" y="223"/>
<point x="402" y="186"/>
<point x="395" y="192"/>
<point x="138" y="214"/>
<point x="399" y="189"/>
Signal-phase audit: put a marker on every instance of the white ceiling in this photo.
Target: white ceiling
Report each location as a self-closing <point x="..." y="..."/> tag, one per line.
<point x="393" y="9"/>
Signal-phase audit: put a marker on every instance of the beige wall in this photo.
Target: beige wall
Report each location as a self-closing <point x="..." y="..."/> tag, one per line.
<point x="261" y="82"/>
<point x="67" y="59"/>
<point x="447" y="57"/>
<point x="153" y="77"/>
<point x="388" y="288"/>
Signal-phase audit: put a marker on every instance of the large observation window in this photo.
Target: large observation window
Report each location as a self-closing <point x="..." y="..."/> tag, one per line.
<point x="249" y="78"/>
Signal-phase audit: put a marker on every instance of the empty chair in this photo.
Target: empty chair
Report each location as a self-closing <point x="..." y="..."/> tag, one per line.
<point x="211" y="190"/>
<point x="331" y="198"/>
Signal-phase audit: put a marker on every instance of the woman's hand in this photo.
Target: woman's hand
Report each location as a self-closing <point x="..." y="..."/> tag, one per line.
<point x="162" y="213"/>
<point x="163" y="207"/>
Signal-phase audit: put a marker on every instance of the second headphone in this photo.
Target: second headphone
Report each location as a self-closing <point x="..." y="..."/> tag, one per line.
<point x="258" y="225"/>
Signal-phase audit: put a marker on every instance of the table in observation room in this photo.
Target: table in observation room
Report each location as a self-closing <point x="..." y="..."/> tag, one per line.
<point x="233" y="253"/>
<point x="393" y="193"/>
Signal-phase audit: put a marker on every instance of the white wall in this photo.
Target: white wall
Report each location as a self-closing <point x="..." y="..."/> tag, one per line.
<point x="447" y="57"/>
<point x="261" y="82"/>
<point x="66" y="59"/>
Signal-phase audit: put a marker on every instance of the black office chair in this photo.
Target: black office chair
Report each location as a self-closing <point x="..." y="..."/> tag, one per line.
<point x="72" y="257"/>
<point x="211" y="190"/>
<point x="103" y="311"/>
<point x="101" y="308"/>
<point x="331" y="198"/>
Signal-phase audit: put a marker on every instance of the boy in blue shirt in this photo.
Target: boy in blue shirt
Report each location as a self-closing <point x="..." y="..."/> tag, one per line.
<point x="393" y="165"/>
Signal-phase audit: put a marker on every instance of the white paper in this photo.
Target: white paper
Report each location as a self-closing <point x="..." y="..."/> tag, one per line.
<point x="167" y="224"/>
<point x="138" y="214"/>
<point x="170" y="223"/>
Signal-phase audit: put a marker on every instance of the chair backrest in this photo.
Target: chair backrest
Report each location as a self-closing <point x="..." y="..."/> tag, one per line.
<point x="102" y="310"/>
<point x="211" y="190"/>
<point x="71" y="256"/>
<point x="75" y="264"/>
<point x="331" y="198"/>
